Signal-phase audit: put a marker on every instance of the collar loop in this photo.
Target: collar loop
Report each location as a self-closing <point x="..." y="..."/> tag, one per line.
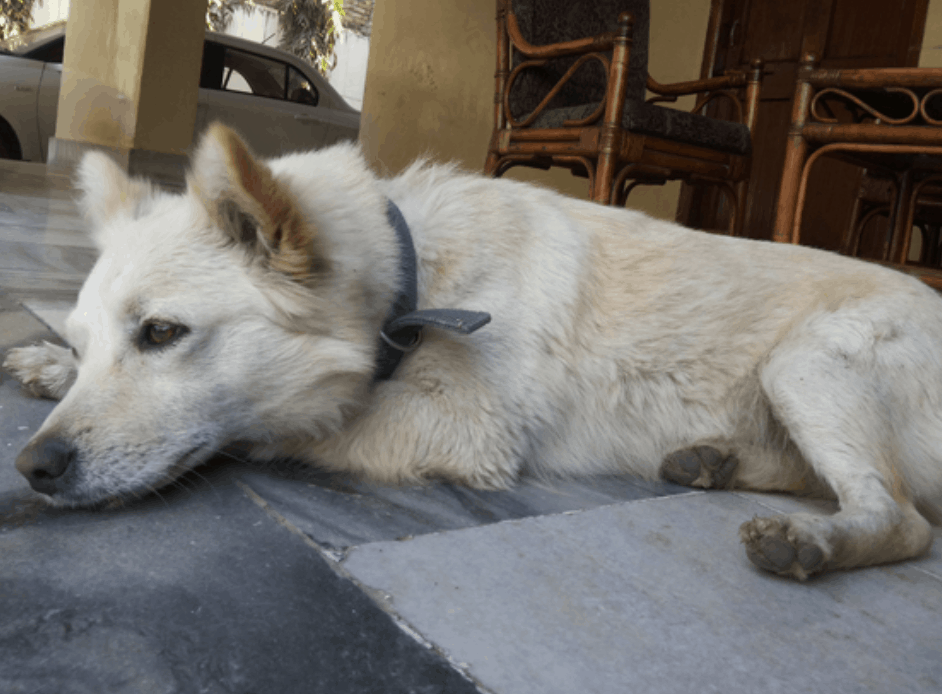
<point x="401" y="331"/>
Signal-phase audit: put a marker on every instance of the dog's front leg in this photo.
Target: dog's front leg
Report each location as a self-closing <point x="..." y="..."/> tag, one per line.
<point x="419" y="431"/>
<point x="45" y="370"/>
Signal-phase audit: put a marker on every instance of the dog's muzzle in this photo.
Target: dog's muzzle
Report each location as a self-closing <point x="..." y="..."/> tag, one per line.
<point x="45" y="461"/>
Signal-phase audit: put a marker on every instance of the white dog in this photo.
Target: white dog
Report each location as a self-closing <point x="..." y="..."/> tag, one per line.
<point x="251" y="309"/>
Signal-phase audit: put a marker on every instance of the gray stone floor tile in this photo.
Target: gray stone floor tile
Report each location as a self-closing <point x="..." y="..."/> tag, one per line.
<point x="70" y="261"/>
<point x="18" y="326"/>
<point x="32" y="281"/>
<point x="20" y="418"/>
<point x="31" y="179"/>
<point x="20" y="415"/>
<point x="52" y="312"/>
<point x="656" y="596"/>
<point x="59" y="230"/>
<point x="198" y="592"/>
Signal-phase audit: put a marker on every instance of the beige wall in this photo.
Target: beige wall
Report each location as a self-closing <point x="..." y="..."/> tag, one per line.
<point x="430" y="85"/>
<point x="132" y="81"/>
<point x="429" y="82"/>
<point x="931" y="54"/>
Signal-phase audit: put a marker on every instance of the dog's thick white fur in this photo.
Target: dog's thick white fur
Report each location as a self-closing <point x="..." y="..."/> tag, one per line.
<point x="249" y="310"/>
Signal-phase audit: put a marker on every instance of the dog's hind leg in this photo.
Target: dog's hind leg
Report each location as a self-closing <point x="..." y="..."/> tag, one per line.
<point x="834" y="394"/>
<point x="45" y="370"/>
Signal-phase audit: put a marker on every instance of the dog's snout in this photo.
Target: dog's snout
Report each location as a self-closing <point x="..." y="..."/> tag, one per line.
<point x="44" y="461"/>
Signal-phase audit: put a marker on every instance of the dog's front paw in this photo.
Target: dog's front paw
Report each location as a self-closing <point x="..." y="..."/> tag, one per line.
<point x="45" y="370"/>
<point x="778" y="545"/>
<point x="699" y="466"/>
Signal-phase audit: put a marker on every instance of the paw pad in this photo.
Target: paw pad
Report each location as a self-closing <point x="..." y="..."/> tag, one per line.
<point x="700" y="466"/>
<point x="769" y="548"/>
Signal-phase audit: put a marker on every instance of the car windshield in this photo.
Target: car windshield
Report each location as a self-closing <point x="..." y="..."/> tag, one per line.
<point x="22" y="43"/>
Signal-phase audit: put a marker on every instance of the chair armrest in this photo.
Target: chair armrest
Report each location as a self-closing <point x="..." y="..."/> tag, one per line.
<point x="716" y="87"/>
<point x="731" y="80"/>
<point x="877" y="78"/>
<point x="591" y="44"/>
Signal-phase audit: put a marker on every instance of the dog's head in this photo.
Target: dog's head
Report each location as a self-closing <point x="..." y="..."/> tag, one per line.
<point x="234" y="312"/>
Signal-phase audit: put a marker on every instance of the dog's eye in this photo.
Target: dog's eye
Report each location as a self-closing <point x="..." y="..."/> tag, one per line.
<point x="161" y="334"/>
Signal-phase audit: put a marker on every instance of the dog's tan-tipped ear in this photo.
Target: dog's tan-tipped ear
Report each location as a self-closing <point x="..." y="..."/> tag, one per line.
<point x="251" y="205"/>
<point x="106" y="190"/>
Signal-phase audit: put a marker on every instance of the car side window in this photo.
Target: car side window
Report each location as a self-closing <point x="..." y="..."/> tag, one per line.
<point x="49" y="52"/>
<point x="252" y="74"/>
<point x="300" y="89"/>
<point x="214" y="56"/>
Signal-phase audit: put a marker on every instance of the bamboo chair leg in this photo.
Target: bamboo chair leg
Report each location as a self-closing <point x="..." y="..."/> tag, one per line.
<point x="796" y="153"/>
<point x="785" y="216"/>
<point x="610" y="137"/>
<point x="739" y="218"/>
<point x="898" y="241"/>
<point x="491" y="165"/>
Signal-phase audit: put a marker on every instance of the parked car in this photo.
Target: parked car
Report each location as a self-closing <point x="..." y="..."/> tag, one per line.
<point x="276" y="101"/>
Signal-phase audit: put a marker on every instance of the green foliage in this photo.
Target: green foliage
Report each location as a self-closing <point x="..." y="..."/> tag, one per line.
<point x="219" y="13"/>
<point x="16" y="16"/>
<point x="310" y="29"/>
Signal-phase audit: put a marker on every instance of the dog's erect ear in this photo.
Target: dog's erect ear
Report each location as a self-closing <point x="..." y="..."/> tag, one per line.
<point x="106" y="190"/>
<point x="251" y="205"/>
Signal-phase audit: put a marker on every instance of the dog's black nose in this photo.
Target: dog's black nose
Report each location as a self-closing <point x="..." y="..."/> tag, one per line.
<point x="44" y="461"/>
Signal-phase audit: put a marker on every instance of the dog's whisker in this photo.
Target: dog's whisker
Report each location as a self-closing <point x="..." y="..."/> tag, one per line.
<point x="154" y="490"/>
<point x="227" y="454"/>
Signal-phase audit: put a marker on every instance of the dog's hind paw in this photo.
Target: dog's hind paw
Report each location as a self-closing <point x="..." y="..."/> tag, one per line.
<point x="775" y="545"/>
<point x="699" y="466"/>
<point x="45" y="370"/>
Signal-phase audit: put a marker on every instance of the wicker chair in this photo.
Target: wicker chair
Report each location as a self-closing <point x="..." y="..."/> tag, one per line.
<point x="571" y="81"/>
<point x="890" y="122"/>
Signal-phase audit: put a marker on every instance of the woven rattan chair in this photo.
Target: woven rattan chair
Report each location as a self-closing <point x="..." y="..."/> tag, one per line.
<point x="888" y="120"/>
<point x="571" y="87"/>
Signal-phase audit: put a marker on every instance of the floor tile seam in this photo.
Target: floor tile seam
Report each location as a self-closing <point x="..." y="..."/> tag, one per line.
<point x="38" y="283"/>
<point x="38" y="317"/>
<point x="744" y="495"/>
<point x="528" y="519"/>
<point x="335" y="561"/>
<point x="930" y="574"/>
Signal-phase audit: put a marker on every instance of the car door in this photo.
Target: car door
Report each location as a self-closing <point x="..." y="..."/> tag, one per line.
<point x="265" y="100"/>
<point x="47" y="105"/>
<point x="19" y="89"/>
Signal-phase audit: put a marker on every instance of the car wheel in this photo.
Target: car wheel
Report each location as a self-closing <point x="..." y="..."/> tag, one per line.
<point x="7" y="149"/>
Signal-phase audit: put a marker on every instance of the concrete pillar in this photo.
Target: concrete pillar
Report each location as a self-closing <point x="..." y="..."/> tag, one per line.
<point x="130" y="79"/>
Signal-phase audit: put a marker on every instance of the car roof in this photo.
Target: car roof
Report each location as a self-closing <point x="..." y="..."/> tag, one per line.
<point x="32" y="39"/>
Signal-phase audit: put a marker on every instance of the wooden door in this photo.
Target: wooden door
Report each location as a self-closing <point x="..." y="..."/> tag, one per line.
<point x="844" y="34"/>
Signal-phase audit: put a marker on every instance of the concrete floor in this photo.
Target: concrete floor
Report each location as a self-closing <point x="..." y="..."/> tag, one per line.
<point x="281" y="579"/>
